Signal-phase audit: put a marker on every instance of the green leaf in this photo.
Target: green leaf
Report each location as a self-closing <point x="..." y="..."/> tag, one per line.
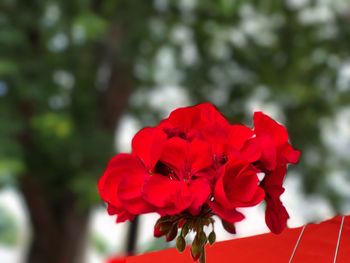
<point x="227" y="6"/>
<point x="10" y="166"/>
<point x="93" y="25"/>
<point x="53" y="124"/>
<point x="7" y="67"/>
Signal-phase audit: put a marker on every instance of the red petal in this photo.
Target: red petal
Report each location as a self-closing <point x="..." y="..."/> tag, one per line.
<point x="138" y="206"/>
<point x="147" y="144"/>
<point x="268" y="152"/>
<point x="240" y="184"/>
<point x="291" y="155"/>
<point x="175" y="153"/>
<point x="263" y="124"/>
<point x="133" y="177"/>
<point x="215" y="128"/>
<point x="211" y="114"/>
<point x="276" y="215"/>
<point x="185" y="118"/>
<point x="219" y="192"/>
<point x="170" y="196"/>
<point x="229" y="215"/>
<point x="124" y="216"/>
<point x="239" y="135"/>
<point x="217" y="137"/>
<point x="112" y="210"/>
<point x="200" y="190"/>
<point x="251" y="151"/>
<point x="186" y="157"/>
<point x="265" y="127"/>
<point x="274" y="178"/>
<point x="121" y="184"/>
<point x="117" y="168"/>
<point x="200" y="156"/>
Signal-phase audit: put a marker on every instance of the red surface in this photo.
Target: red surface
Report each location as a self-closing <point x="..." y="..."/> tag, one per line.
<point x="344" y="245"/>
<point x="317" y="244"/>
<point x="266" y="247"/>
<point x="116" y="260"/>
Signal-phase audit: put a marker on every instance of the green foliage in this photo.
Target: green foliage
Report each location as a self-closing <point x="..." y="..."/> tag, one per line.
<point x="9" y="167"/>
<point x="52" y="125"/>
<point x="92" y="25"/>
<point x="55" y="58"/>
<point x="7" y="67"/>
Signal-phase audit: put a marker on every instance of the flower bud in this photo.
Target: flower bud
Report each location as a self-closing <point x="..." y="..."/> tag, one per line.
<point x="180" y="243"/>
<point x="212" y="238"/>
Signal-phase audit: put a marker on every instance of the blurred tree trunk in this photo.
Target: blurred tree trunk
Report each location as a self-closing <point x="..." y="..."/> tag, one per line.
<point x="59" y="224"/>
<point x="58" y="228"/>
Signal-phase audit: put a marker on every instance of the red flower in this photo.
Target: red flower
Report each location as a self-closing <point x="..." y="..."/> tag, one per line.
<point x="238" y="186"/>
<point x="271" y="151"/>
<point x="276" y="215"/>
<point x="121" y="184"/>
<point x="270" y="144"/>
<point x="178" y="182"/>
<point x="196" y="163"/>
<point x="120" y="187"/>
<point x="225" y="139"/>
<point x="184" y="123"/>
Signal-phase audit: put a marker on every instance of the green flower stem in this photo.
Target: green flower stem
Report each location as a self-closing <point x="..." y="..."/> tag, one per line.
<point x="202" y="257"/>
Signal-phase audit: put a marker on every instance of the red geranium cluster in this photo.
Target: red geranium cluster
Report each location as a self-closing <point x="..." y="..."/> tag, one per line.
<point x="196" y="161"/>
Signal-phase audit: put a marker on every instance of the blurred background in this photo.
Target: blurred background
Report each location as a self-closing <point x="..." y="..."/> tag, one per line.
<point x="78" y="78"/>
